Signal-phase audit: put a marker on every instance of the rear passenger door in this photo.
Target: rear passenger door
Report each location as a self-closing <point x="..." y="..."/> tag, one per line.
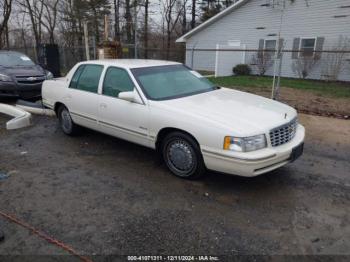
<point x="82" y="98"/>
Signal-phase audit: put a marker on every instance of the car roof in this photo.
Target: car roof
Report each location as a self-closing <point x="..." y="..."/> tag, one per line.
<point x="131" y="63"/>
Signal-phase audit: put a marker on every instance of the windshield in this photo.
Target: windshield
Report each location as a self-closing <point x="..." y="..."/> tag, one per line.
<point x="15" y="59"/>
<point x="168" y="82"/>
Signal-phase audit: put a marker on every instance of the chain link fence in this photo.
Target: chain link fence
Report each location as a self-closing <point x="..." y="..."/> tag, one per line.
<point x="326" y="72"/>
<point x="316" y="82"/>
<point x="329" y="65"/>
<point x="69" y="56"/>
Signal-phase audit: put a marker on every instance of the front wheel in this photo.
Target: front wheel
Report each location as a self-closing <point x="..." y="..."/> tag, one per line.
<point x="66" y="122"/>
<point x="182" y="156"/>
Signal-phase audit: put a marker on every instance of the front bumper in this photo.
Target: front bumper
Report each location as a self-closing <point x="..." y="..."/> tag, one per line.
<point x="250" y="164"/>
<point x="14" y="90"/>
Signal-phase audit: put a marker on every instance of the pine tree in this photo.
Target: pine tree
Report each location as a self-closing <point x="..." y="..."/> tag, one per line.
<point x="212" y="7"/>
<point x="95" y="12"/>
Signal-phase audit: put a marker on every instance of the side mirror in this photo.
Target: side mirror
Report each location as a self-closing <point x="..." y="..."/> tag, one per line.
<point x="131" y="96"/>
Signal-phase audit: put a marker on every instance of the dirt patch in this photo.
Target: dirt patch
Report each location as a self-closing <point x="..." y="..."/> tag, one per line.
<point x="308" y="102"/>
<point x="326" y="130"/>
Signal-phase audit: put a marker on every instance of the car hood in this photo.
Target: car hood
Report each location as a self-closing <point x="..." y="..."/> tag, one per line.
<point x="34" y="70"/>
<point x="245" y="113"/>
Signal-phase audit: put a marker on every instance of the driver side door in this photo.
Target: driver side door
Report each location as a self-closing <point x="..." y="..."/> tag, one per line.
<point x="121" y="118"/>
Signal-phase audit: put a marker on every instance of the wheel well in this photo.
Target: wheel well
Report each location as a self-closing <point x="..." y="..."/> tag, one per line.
<point x="57" y="106"/>
<point x="165" y="131"/>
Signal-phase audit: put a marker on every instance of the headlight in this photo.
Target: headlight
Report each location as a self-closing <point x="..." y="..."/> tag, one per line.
<point x="245" y="144"/>
<point x="49" y="75"/>
<point x="5" y="78"/>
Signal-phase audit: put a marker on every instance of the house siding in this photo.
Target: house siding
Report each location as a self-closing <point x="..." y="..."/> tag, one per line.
<point x="299" y="21"/>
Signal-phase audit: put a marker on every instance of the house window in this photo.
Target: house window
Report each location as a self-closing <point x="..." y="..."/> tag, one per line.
<point x="270" y="47"/>
<point x="307" y="47"/>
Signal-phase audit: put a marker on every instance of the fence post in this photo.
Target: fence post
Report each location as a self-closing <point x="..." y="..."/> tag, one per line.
<point x="94" y="46"/>
<point x="192" y="56"/>
<point x="217" y="59"/>
<point x="277" y="89"/>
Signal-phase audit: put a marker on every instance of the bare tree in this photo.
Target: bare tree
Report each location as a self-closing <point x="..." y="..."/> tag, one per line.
<point x="335" y="62"/>
<point x="5" y="10"/>
<point x="116" y="19"/>
<point x="50" y="16"/>
<point x="262" y="61"/>
<point x="184" y="17"/>
<point x="303" y="66"/>
<point x="35" y="11"/>
<point x="193" y="14"/>
<point x="21" y="37"/>
<point x="171" y="16"/>
<point x="128" y="21"/>
<point x="72" y="16"/>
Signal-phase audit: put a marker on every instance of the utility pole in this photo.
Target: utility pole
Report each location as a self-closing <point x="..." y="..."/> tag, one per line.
<point x="136" y="3"/>
<point x="106" y="34"/>
<point x="145" y="40"/>
<point x="135" y="28"/>
<point x="116" y="19"/>
<point x="278" y="58"/>
<point x="86" y="37"/>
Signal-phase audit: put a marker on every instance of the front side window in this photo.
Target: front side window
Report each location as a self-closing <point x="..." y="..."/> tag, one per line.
<point x="169" y="82"/>
<point x="117" y="80"/>
<point x="87" y="78"/>
<point x="307" y="47"/>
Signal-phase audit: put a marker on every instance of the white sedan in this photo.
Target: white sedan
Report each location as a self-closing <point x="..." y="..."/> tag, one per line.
<point x="193" y="124"/>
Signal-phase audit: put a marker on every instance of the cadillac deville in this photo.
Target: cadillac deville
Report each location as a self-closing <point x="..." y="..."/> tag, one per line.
<point x="194" y="125"/>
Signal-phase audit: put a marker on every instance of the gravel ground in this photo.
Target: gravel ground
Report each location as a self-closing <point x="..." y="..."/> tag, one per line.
<point x="104" y="196"/>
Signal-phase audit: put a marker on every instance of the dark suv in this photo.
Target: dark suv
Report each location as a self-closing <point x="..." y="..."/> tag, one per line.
<point x="20" y="77"/>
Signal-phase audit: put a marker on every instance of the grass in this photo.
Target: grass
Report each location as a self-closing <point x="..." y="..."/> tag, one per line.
<point x="332" y="89"/>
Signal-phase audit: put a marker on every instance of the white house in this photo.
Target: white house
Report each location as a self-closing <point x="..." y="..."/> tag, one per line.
<point x="305" y="27"/>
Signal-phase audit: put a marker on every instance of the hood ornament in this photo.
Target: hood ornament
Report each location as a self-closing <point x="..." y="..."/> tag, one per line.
<point x="285" y="116"/>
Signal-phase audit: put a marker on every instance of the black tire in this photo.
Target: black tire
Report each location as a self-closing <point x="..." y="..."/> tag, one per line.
<point x="182" y="156"/>
<point x="66" y="123"/>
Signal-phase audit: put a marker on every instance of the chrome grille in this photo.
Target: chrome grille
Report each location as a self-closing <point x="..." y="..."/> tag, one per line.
<point x="30" y="80"/>
<point x="283" y="134"/>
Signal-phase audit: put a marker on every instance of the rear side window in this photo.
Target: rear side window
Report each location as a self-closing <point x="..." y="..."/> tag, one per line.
<point x="87" y="78"/>
<point x="116" y="81"/>
<point x="76" y="76"/>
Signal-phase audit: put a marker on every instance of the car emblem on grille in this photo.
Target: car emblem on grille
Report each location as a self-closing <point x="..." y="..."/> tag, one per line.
<point x="32" y="78"/>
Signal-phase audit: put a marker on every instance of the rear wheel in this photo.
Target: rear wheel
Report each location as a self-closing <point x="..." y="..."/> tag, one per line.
<point x="182" y="156"/>
<point x="66" y="122"/>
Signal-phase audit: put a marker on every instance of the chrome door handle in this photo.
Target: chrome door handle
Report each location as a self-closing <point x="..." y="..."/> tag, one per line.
<point x="103" y="105"/>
